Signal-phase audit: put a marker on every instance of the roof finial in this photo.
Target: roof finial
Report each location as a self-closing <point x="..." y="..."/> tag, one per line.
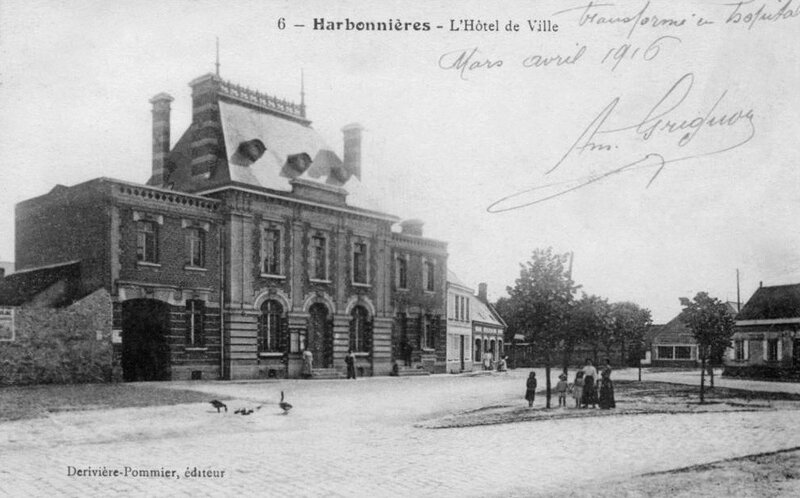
<point x="217" y="64"/>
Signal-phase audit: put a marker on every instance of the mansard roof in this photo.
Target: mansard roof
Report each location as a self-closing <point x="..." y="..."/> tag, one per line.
<point x="259" y="141"/>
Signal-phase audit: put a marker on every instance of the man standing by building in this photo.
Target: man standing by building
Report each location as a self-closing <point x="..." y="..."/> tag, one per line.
<point x="350" y="360"/>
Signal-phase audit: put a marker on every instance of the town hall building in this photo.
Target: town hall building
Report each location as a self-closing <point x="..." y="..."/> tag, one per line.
<point x="252" y="242"/>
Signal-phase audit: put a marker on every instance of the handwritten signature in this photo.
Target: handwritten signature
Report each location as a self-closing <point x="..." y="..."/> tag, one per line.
<point x="659" y="128"/>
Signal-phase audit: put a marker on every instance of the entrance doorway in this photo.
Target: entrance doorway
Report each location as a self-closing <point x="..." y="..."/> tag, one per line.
<point x="320" y="336"/>
<point x="145" y="352"/>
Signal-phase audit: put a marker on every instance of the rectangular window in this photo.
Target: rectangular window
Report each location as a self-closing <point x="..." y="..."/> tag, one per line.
<point x="665" y="353"/>
<point x="683" y="353"/>
<point x="429" y="275"/>
<point x="146" y="242"/>
<point x="467" y="302"/>
<point x="402" y="273"/>
<point x="196" y="247"/>
<point x="772" y="349"/>
<point x="739" y="349"/>
<point x="318" y="263"/>
<point x="457" y="300"/>
<point x="272" y="252"/>
<point x="194" y="322"/>
<point x="360" y="263"/>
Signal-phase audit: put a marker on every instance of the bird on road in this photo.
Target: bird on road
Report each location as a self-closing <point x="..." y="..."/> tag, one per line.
<point x="218" y="404"/>
<point x="284" y="405"/>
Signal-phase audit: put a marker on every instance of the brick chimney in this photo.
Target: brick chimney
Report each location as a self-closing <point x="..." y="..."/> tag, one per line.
<point x="482" y="292"/>
<point x="161" y="109"/>
<point x="352" y="148"/>
<point x="206" y="125"/>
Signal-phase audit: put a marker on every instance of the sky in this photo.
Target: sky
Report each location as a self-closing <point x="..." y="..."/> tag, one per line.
<point x="656" y="141"/>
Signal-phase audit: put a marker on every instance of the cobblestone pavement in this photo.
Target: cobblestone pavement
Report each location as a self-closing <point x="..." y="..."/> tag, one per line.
<point x="346" y="438"/>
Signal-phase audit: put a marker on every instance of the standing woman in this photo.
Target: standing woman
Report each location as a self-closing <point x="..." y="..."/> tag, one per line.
<point x="606" y="388"/>
<point x="589" y="393"/>
<point x="530" y="389"/>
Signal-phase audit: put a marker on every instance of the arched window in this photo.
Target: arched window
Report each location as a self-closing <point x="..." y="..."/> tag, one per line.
<point x="478" y="350"/>
<point x="271" y="333"/>
<point x="359" y="329"/>
<point x="486" y="345"/>
<point x="491" y="349"/>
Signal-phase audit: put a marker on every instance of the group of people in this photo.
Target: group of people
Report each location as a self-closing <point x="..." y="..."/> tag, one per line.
<point x="587" y="390"/>
<point x="308" y="364"/>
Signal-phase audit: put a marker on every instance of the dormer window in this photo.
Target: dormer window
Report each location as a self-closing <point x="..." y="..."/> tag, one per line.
<point x="252" y="150"/>
<point x="299" y="162"/>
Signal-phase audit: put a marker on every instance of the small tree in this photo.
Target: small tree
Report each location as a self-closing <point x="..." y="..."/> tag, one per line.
<point x="630" y="324"/>
<point x="590" y="323"/>
<point x="539" y="303"/>
<point x="712" y="327"/>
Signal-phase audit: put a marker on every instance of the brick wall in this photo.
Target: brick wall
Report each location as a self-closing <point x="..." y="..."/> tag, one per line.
<point x="63" y="346"/>
<point x="66" y="224"/>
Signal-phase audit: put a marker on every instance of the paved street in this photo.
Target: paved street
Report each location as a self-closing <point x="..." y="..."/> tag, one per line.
<point x="346" y="438"/>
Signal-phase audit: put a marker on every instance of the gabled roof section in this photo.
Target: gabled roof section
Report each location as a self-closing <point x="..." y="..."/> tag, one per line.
<point x="771" y="303"/>
<point x="26" y="285"/>
<point x="485" y="313"/>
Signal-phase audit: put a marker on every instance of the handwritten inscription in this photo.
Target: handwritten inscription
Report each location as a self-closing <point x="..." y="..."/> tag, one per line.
<point x="667" y="134"/>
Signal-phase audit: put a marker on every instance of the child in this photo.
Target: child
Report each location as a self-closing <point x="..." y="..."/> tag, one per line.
<point x="561" y="389"/>
<point x="577" y="389"/>
<point x="530" y="392"/>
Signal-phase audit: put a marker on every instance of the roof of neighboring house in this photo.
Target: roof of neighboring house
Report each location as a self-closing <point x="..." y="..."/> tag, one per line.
<point x="676" y="331"/>
<point x="774" y="302"/>
<point x="453" y="279"/>
<point x="25" y="285"/>
<point x="483" y="311"/>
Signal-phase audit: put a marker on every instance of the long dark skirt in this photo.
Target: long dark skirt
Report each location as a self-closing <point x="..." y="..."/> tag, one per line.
<point x="606" y="394"/>
<point x="589" y="396"/>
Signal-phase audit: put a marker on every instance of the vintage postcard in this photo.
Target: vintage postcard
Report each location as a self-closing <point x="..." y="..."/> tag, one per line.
<point x="516" y="248"/>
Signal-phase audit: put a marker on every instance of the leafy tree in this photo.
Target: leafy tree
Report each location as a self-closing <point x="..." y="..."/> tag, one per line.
<point x="540" y="301"/>
<point x="590" y="323"/>
<point x="711" y="325"/>
<point x="630" y="324"/>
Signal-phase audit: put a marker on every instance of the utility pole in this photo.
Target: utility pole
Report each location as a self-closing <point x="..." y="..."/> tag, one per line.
<point x="738" y="297"/>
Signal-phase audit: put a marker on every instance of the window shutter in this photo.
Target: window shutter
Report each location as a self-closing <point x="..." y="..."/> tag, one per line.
<point x="764" y="353"/>
<point x="746" y="349"/>
<point x="780" y="349"/>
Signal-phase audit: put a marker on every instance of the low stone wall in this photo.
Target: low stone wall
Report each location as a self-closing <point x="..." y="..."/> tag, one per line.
<point x="60" y="346"/>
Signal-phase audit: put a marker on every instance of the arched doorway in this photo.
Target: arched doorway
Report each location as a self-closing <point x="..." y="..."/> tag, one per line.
<point x="320" y="336"/>
<point x="145" y="352"/>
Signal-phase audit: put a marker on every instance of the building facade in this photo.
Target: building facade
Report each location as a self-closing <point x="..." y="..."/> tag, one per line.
<point x="459" y="325"/>
<point x="251" y="243"/>
<point x="488" y="331"/>
<point x="766" y="339"/>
